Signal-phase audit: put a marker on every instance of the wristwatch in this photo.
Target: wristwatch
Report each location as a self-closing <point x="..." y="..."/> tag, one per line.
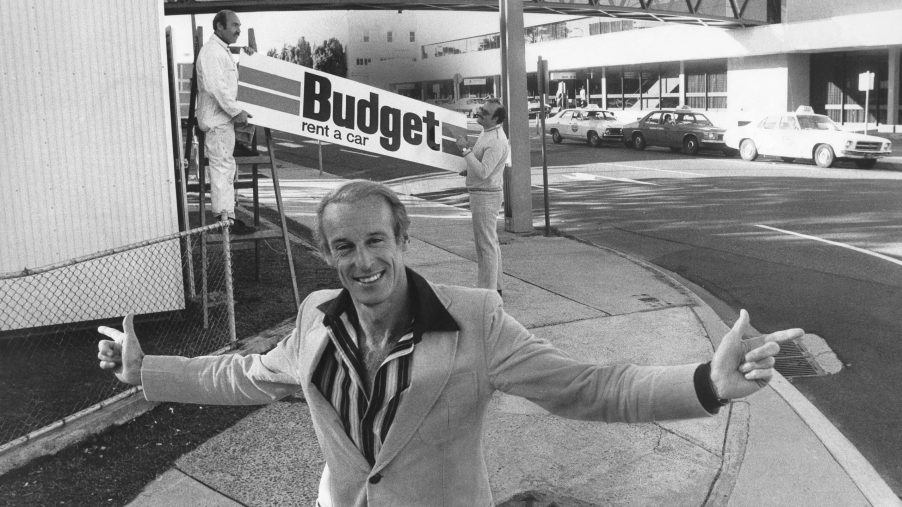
<point x="465" y="151"/>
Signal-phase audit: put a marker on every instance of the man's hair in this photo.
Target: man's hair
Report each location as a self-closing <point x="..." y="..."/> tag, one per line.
<point x="353" y="192"/>
<point x="222" y="18"/>
<point x="500" y="113"/>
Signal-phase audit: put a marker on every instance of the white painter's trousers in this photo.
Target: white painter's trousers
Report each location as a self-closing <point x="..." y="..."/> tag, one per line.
<point x="219" y="144"/>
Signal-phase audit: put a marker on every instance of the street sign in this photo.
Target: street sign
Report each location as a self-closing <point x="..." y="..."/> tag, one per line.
<point x="311" y="103"/>
<point x="865" y="81"/>
<point x="558" y="76"/>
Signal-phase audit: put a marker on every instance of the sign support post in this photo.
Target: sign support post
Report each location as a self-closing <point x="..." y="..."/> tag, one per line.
<point x="866" y="84"/>
<point x="542" y="80"/>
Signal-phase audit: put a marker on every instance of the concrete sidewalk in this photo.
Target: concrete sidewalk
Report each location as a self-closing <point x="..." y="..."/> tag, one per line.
<point x="773" y="448"/>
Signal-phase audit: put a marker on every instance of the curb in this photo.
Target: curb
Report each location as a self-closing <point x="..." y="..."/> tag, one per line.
<point x="849" y="458"/>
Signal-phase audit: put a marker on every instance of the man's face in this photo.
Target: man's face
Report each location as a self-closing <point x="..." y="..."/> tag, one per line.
<point x="485" y="115"/>
<point x="364" y="250"/>
<point x="229" y="34"/>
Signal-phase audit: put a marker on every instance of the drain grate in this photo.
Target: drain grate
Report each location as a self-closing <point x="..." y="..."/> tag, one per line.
<point x="794" y="361"/>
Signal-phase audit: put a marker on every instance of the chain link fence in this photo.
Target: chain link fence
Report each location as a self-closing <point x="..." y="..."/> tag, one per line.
<point x="179" y="287"/>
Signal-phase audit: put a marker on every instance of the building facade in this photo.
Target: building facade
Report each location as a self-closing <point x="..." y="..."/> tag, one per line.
<point x="807" y="53"/>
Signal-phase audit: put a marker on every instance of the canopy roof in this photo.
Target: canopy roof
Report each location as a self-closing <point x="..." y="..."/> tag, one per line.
<point x="738" y="13"/>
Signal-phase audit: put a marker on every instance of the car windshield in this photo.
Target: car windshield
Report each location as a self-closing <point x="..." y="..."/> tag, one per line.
<point x="816" y="122"/>
<point x="596" y="115"/>
<point x="695" y="118"/>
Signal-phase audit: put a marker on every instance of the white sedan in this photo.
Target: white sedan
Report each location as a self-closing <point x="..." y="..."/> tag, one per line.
<point x="805" y="135"/>
<point x="587" y="124"/>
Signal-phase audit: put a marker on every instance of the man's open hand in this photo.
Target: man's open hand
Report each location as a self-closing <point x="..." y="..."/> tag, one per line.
<point x="122" y="353"/>
<point x="744" y="364"/>
<point x="240" y="119"/>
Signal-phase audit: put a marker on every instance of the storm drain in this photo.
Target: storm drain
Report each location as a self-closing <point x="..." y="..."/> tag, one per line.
<point x="807" y="357"/>
<point x="543" y="499"/>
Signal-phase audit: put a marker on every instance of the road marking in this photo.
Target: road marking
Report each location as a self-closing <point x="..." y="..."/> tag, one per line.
<point x="280" y="140"/>
<point x="834" y="243"/>
<point x="652" y="169"/>
<point x="550" y="189"/>
<point x="587" y="176"/>
<point x="358" y="153"/>
<point x="289" y="145"/>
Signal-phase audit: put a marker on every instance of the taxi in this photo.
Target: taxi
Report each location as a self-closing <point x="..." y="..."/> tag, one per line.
<point x="806" y="135"/>
<point x="589" y="124"/>
<point x="680" y="129"/>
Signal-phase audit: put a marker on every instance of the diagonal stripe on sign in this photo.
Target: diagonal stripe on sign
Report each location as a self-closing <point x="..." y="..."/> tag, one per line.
<point x="453" y="131"/>
<point x="262" y="79"/>
<point x="269" y="100"/>
<point x="449" y="146"/>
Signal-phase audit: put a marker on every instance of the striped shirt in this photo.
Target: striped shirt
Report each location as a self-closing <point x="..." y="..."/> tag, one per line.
<point x="339" y="378"/>
<point x="340" y="372"/>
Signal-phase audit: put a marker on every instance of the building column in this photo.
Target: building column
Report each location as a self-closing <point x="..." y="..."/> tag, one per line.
<point x="518" y="177"/>
<point x="604" y="87"/>
<point x="682" y="83"/>
<point x="892" y="91"/>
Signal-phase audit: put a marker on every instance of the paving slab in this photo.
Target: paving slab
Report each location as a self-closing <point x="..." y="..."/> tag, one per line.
<point x="270" y="457"/>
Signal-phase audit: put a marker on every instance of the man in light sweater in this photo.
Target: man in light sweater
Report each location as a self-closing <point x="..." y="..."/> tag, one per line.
<point x="485" y="170"/>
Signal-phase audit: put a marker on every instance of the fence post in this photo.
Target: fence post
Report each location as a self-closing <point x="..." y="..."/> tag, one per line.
<point x="230" y="294"/>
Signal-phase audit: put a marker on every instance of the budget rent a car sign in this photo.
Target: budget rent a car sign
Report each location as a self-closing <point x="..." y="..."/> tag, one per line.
<point x="296" y="99"/>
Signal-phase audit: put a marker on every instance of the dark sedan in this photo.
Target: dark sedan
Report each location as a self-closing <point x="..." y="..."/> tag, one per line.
<point x="678" y="129"/>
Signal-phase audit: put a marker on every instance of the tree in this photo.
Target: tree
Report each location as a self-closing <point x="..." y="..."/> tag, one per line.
<point x="299" y="54"/>
<point x="331" y="58"/>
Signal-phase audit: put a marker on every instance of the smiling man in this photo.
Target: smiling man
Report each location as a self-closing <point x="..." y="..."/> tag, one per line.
<point x="398" y="373"/>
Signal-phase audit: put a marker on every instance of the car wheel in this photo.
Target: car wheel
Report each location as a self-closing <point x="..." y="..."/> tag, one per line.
<point x="747" y="150"/>
<point x="788" y="160"/>
<point x="638" y="141"/>
<point x="593" y="139"/>
<point x="866" y="163"/>
<point x="690" y="145"/>
<point x="824" y="156"/>
<point x="556" y="137"/>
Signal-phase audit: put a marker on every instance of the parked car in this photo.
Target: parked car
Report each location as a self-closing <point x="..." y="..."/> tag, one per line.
<point x="534" y="106"/>
<point x="589" y="124"/>
<point x="680" y="129"/>
<point x="806" y="135"/>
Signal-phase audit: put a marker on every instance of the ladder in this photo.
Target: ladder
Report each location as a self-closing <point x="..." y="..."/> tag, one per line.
<point x="252" y="162"/>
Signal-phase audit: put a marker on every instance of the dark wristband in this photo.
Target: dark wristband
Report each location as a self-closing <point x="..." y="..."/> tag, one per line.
<point x="704" y="389"/>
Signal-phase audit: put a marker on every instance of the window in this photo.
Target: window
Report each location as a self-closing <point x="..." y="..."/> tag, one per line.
<point x="788" y="123"/>
<point x="413" y="36"/>
<point x="770" y="122"/>
<point x="388" y="36"/>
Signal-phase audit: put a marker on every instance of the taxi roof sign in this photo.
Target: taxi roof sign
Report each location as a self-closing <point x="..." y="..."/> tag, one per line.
<point x="805" y="110"/>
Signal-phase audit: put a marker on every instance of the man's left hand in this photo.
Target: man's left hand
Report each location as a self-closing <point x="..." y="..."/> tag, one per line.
<point x="743" y="364"/>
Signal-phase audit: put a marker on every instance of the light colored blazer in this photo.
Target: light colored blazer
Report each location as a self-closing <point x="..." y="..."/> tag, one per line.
<point x="433" y="453"/>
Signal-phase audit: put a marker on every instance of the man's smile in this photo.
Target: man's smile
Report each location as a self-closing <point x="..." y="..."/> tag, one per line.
<point x="370" y="278"/>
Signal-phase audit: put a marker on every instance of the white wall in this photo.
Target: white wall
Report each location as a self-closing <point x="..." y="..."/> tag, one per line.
<point x="763" y="85"/>
<point x="672" y="43"/>
<point x="86" y="163"/>
<point x="805" y="10"/>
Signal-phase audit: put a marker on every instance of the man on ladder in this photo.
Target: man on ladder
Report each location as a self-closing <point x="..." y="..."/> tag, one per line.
<point x="218" y="113"/>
